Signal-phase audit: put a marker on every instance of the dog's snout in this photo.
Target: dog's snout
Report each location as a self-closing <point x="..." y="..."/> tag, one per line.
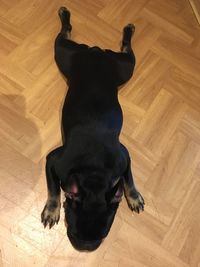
<point x="95" y="48"/>
<point x="83" y="245"/>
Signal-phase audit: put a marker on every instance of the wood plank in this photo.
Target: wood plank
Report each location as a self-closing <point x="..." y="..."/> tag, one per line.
<point x="195" y="4"/>
<point x="161" y="131"/>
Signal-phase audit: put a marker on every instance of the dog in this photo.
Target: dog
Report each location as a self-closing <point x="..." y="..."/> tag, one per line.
<point x="92" y="167"/>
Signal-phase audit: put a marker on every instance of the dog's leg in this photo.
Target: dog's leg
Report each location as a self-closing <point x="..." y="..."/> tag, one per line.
<point x="134" y="198"/>
<point x="126" y="58"/>
<point x="66" y="28"/>
<point x="128" y="31"/>
<point x="65" y="48"/>
<point x="51" y="212"/>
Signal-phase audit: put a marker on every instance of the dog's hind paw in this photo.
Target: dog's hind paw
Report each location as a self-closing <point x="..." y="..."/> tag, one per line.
<point x="129" y="27"/>
<point x="50" y="214"/>
<point x="63" y="10"/>
<point x="64" y="15"/>
<point x="136" y="204"/>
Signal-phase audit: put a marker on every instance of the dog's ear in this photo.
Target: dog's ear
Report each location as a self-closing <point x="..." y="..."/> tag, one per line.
<point x="72" y="190"/>
<point x="118" y="196"/>
<point x="117" y="192"/>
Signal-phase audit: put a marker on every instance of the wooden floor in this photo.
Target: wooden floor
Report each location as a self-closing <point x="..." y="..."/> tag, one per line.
<point x="161" y="107"/>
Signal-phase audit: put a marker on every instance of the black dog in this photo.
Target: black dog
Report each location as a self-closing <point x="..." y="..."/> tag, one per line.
<point x="92" y="167"/>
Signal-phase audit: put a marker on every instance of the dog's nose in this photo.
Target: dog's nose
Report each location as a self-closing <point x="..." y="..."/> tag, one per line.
<point x="83" y="245"/>
<point x="86" y="245"/>
<point x="95" y="48"/>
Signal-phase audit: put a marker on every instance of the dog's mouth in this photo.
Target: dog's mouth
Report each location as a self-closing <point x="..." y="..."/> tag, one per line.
<point x="83" y="245"/>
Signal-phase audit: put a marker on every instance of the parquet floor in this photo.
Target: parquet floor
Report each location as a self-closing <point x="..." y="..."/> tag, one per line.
<point x="161" y="107"/>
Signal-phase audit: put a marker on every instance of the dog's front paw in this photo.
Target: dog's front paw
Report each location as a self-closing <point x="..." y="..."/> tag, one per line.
<point x="136" y="203"/>
<point x="50" y="214"/>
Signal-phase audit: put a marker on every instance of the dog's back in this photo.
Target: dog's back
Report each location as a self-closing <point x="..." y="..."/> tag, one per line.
<point x="93" y="67"/>
<point x="92" y="94"/>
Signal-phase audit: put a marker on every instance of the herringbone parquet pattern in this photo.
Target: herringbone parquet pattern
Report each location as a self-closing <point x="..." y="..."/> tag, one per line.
<point x="161" y="106"/>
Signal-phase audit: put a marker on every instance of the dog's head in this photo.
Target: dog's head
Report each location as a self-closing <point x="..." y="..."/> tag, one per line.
<point x="91" y="203"/>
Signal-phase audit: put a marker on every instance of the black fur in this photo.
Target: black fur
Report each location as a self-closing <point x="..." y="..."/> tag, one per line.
<point x="92" y="166"/>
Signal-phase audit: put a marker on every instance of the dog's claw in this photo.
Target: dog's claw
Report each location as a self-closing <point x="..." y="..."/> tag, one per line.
<point x="51" y="223"/>
<point x="50" y="216"/>
<point x="45" y="224"/>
